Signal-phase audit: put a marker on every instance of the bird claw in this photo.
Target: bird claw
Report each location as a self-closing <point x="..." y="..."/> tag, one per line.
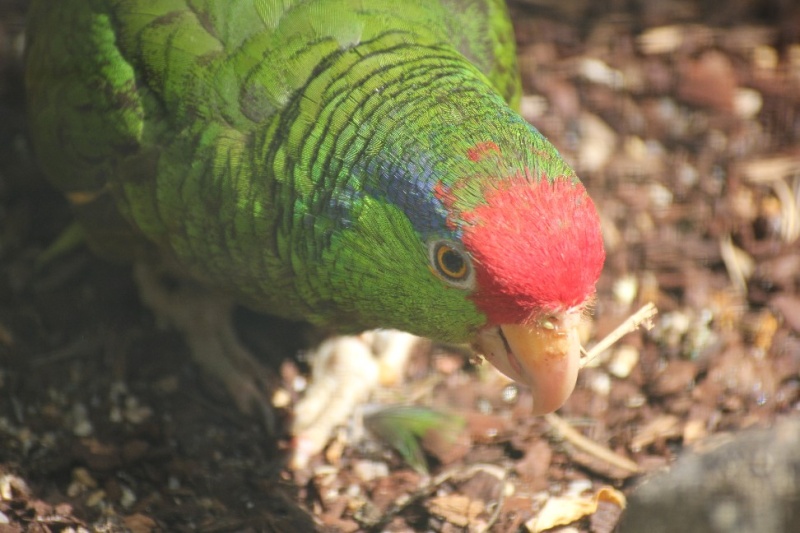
<point x="205" y="320"/>
<point x="345" y="369"/>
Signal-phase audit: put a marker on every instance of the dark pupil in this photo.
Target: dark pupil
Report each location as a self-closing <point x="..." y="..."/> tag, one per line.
<point x="452" y="262"/>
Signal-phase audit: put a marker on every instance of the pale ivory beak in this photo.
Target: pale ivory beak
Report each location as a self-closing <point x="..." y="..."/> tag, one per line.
<point x="544" y="355"/>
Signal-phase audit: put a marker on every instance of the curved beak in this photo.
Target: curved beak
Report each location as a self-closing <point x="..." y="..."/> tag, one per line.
<point x="544" y="355"/>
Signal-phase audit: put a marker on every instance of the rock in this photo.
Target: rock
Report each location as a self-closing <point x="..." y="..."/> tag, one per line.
<point x="747" y="483"/>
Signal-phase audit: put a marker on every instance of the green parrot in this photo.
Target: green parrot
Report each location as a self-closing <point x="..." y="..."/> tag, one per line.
<point x="356" y="164"/>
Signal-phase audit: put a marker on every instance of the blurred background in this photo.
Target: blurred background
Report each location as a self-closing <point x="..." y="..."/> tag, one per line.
<point x="683" y="120"/>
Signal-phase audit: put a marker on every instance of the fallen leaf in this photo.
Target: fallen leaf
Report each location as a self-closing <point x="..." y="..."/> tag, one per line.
<point x="457" y="509"/>
<point x="568" y="509"/>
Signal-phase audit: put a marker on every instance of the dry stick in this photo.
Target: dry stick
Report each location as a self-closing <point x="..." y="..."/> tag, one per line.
<point x="574" y="437"/>
<point x="76" y="349"/>
<point x="790" y="221"/>
<point x="501" y="500"/>
<point x="407" y="500"/>
<point x="428" y="488"/>
<point x="736" y="273"/>
<point x="643" y="316"/>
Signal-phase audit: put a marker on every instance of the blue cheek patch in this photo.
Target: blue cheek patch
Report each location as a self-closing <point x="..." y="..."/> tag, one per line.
<point x="409" y="186"/>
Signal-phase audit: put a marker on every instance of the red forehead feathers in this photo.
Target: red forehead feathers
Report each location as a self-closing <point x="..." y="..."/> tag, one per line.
<point x="537" y="247"/>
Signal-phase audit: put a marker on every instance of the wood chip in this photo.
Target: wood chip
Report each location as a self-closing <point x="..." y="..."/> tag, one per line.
<point x="456" y="508"/>
<point x="565" y="510"/>
<point x="660" y="428"/>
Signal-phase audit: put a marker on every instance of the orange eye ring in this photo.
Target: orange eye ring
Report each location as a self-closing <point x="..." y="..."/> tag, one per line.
<point x="451" y="262"/>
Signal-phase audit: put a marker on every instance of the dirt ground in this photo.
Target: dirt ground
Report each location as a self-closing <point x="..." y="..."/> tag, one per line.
<point x="683" y="120"/>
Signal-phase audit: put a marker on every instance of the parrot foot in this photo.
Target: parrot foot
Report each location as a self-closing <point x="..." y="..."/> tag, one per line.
<point x="345" y="370"/>
<point x="205" y="321"/>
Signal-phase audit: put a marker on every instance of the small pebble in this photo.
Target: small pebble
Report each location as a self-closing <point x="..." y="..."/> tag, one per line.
<point x="96" y="498"/>
<point x="370" y="470"/>
<point x="747" y="102"/>
<point x="128" y="497"/>
<point x="625" y="289"/>
<point x="661" y="40"/>
<point x="623" y="361"/>
<point x="81" y="425"/>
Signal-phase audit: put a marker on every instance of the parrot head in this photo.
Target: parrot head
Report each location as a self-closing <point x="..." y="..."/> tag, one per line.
<point x="496" y="244"/>
<point x="533" y="250"/>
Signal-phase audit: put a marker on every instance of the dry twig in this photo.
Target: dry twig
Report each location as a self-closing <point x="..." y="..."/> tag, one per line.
<point x="403" y="502"/>
<point x="575" y="438"/>
<point x="643" y="316"/>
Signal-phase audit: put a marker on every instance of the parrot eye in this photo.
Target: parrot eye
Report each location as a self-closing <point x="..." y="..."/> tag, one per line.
<point x="451" y="263"/>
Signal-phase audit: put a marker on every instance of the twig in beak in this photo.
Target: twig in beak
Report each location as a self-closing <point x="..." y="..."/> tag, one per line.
<point x="642" y="317"/>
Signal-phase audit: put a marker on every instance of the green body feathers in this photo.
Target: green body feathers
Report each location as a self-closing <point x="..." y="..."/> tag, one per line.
<point x="308" y="157"/>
